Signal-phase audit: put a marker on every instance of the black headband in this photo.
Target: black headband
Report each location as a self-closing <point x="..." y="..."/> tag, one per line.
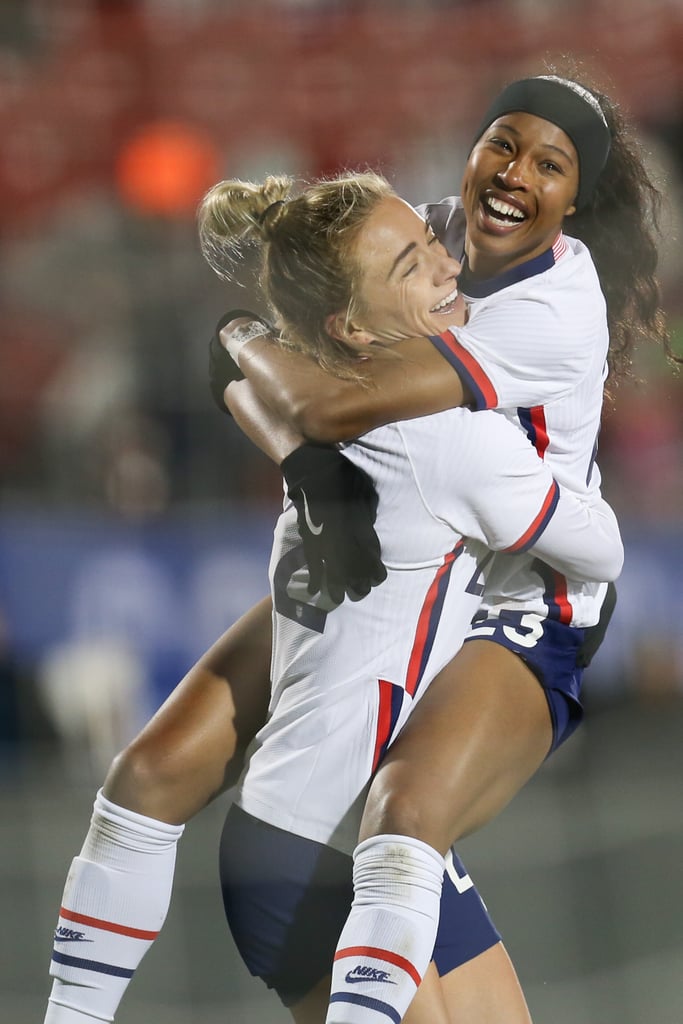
<point x="569" y="106"/>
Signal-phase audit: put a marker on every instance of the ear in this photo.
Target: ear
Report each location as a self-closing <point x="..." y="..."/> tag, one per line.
<point x="571" y="210"/>
<point x="360" y="336"/>
<point x="337" y="327"/>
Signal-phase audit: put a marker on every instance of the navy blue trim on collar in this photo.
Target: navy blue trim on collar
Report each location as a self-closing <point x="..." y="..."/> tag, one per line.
<point x="480" y="289"/>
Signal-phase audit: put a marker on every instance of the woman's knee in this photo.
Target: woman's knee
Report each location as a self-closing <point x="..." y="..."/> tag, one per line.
<point x="193" y="748"/>
<point x="396" y="806"/>
<point x="144" y="778"/>
<point x="168" y="773"/>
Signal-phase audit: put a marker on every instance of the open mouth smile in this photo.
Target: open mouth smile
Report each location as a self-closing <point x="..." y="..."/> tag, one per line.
<point x="447" y="305"/>
<point x="500" y="213"/>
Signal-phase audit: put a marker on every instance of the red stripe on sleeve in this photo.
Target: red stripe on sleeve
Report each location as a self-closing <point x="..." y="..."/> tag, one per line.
<point x="538" y="523"/>
<point x="473" y="370"/>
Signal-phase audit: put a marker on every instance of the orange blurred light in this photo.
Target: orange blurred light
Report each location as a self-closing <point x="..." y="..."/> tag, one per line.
<point x="165" y="168"/>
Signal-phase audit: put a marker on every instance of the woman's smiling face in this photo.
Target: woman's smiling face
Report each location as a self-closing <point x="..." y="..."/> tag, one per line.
<point x="407" y="282"/>
<point x="519" y="184"/>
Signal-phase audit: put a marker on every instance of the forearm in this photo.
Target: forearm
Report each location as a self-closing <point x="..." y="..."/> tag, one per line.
<point x="412" y="380"/>
<point x="261" y="424"/>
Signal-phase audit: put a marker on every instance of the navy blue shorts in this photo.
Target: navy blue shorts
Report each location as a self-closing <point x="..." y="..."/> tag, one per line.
<point x="550" y="649"/>
<point x="287" y="898"/>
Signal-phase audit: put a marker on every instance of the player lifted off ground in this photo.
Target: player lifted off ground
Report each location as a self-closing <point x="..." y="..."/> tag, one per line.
<point x="190" y="751"/>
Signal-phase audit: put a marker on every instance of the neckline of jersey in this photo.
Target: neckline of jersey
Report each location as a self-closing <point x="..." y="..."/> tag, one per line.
<point x="481" y="289"/>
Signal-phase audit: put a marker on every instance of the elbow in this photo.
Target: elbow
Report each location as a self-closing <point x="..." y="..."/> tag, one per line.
<point x="607" y="565"/>
<point x="323" y="420"/>
<point x="606" y="569"/>
<point x="614" y="566"/>
<point x="315" y="423"/>
<point x="613" y="549"/>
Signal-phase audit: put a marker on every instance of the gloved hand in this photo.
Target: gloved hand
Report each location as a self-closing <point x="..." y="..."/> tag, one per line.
<point x="222" y="367"/>
<point x="336" y="504"/>
<point x="594" y="635"/>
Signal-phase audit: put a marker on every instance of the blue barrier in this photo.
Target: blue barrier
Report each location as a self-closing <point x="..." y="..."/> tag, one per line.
<point x="169" y="588"/>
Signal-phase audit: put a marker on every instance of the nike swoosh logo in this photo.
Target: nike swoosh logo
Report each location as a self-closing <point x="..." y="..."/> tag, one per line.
<point x="354" y="979"/>
<point x="315" y="530"/>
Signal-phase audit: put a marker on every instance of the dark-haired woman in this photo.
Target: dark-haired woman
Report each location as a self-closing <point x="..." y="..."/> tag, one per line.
<point x="551" y="157"/>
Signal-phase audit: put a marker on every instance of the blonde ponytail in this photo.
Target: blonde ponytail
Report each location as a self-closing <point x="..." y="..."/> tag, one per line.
<point x="236" y="213"/>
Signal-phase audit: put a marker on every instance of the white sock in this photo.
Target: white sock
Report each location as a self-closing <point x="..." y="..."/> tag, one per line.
<point x="387" y="942"/>
<point x="115" y="901"/>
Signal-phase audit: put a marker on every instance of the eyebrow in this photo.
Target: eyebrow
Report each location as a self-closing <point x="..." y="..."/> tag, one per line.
<point x="408" y="249"/>
<point x="401" y="256"/>
<point x="546" y="145"/>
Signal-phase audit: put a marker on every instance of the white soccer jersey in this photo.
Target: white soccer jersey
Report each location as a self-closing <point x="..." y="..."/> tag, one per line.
<point x="344" y="678"/>
<point x="535" y="349"/>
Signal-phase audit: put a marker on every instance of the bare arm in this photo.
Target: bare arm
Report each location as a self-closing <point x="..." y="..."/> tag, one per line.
<point x="264" y="427"/>
<point x="326" y="409"/>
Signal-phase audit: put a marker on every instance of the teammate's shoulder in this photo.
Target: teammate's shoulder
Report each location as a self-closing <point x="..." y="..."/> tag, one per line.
<point x="578" y="258"/>
<point x="575" y="245"/>
<point x="447" y="204"/>
<point x="574" y="285"/>
<point x="444" y="212"/>
<point x="446" y="218"/>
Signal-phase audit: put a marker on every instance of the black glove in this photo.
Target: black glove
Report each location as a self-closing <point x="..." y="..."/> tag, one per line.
<point x="222" y="367"/>
<point x="594" y="635"/>
<point x="336" y="504"/>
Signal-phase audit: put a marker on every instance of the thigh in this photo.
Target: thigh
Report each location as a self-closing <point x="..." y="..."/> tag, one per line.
<point x="193" y="747"/>
<point x="481" y="730"/>
<point x="551" y="649"/>
<point x="286" y="899"/>
<point x="429" y="1005"/>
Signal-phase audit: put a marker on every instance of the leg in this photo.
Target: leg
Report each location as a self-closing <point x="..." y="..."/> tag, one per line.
<point x="481" y="730"/>
<point x="286" y="899"/>
<point x="477" y="736"/>
<point x="119" y="888"/>
<point x="428" y="1007"/>
<point x="192" y="749"/>
<point x="486" y="990"/>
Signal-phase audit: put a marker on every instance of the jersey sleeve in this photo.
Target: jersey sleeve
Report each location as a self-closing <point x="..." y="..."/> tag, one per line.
<point x="489" y="484"/>
<point x="582" y="540"/>
<point x="521" y="350"/>
<point x="447" y="220"/>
